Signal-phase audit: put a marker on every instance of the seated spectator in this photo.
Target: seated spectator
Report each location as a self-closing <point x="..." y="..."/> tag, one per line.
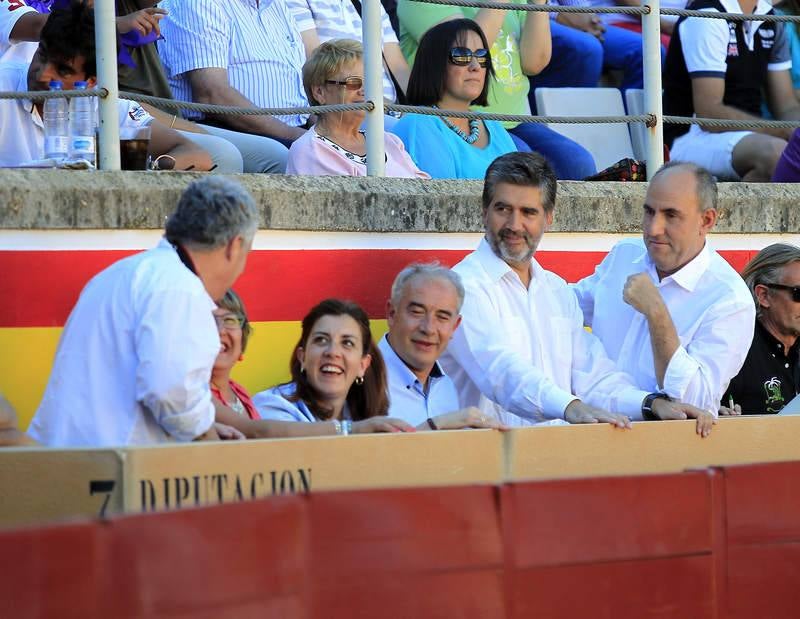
<point x="769" y="379"/>
<point x="134" y="360"/>
<point x="67" y="53"/>
<point x="10" y="434"/>
<point x="452" y="71"/>
<point x="338" y="375"/>
<point x="241" y="54"/>
<point x="665" y="306"/>
<point x="720" y="69"/>
<point x="234" y="331"/>
<point x="520" y="46"/>
<point x="21" y="25"/>
<point x="322" y="20"/>
<point x="336" y="145"/>
<point x="423" y="313"/>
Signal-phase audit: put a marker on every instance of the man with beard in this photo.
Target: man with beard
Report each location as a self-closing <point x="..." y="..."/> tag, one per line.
<point x="670" y="311"/>
<point x="522" y="352"/>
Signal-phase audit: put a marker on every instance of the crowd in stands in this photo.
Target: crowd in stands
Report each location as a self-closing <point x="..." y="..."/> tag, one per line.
<point x="252" y="53"/>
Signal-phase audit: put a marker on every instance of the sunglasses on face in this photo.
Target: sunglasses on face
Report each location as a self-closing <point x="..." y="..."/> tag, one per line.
<point x="795" y="290"/>
<point x="353" y="82"/>
<point x="462" y="56"/>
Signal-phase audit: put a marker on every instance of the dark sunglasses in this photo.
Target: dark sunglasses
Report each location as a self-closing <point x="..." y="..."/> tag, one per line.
<point x="795" y="290"/>
<point x="350" y="83"/>
<point x="462" y="56"/>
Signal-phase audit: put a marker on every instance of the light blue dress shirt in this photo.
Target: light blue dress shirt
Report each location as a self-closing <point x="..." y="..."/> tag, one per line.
<point x="272" y="404"/>
<point x="407" y="398"/>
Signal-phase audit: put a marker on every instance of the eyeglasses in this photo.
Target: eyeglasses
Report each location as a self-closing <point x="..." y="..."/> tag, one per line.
<point x="352" y="82"/>
<point x="795" y="290"/>
<point x="231" y="322"/>
<point x="462" y="56"/>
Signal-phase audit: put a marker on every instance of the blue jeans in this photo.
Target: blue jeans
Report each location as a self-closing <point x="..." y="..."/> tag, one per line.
<point x="576" y="61"/>
<point x="622" y="50"/>
<point x="570" y="160"/>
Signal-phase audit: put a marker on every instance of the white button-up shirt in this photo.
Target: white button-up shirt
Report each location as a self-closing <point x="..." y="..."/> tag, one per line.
<point x="258" y="43"/>
<point x="524" y="351"/>
<point x="134" y="362"/>
<point x="709" y="303"/>
<point x="408" y="399"/>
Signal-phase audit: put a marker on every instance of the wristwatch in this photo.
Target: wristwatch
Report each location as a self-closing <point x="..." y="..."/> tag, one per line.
<point x="647" y="404"/>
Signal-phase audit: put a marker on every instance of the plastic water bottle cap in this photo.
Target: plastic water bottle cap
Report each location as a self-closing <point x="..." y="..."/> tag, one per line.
<point x="80" y="85"/>
<point x="55" y="85"/>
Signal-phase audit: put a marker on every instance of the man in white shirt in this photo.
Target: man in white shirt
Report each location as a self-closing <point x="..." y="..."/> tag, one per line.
<point x="423" y="313"/>
<point x="239" y="52"/>
<point x="521" y="351"/>
<point x="67" y="54"/>
<point x="669" y="310"/>
<point x="134" y="361"/>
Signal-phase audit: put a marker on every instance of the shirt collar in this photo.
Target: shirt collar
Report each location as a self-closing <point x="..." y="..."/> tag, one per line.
<point x="496" y="267"/>
<point x="395" y="365"/>
<point x="774" y="343"/>
<point x="688" y="275"/>
<point x="732" y="6"/>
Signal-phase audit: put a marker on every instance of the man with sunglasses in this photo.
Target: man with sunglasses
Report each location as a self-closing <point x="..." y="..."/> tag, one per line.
<point x="670" y="311"/>
<point x="770" y="377"/>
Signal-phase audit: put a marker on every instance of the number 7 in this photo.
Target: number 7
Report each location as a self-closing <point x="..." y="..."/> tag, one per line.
<point x="102" y="486"/>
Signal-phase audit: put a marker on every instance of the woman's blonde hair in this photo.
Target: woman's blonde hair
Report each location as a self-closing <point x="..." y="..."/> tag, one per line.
<point x="326" y="60"/>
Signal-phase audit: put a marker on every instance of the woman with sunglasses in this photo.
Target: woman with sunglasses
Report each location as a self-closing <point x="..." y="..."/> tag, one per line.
<point x="452" y="71"/>
<point x="336" y="145"/>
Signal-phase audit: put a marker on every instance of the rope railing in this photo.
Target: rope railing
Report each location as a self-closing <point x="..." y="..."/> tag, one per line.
<point x="650" y="119"/>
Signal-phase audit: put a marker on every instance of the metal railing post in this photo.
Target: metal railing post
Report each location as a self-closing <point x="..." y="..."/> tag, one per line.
<point x="373" y="80"/>
<point x="651" y="34"/>
<point x="105" y="28"/>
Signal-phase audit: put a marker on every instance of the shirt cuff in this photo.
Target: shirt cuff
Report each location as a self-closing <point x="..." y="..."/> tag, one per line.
<point x="555" y="403"/>
<point x="629" y="402"/>
<point x="187" y="426"/>
<point x="680" y="371"/>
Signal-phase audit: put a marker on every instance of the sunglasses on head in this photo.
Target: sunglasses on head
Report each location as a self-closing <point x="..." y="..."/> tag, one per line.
<point x="352" y="82"/>
<point x="795" y="290"/>
<point x="462" y="56"/>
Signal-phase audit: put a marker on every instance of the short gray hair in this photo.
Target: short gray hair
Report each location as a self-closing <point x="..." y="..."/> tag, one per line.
<point x="525" y="169"/>
<point x="705" y="183"/>
<point x="427" y="270"/>
<point x="766" y="267"/>
<point x="211" y="211"/>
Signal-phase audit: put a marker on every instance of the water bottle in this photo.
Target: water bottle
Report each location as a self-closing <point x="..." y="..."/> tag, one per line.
<point x="81" y="126"/>
<point x="56" y="125"/>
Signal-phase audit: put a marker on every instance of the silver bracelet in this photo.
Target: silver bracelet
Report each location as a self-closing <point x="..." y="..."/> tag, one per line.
<point x="337" y="427"/>
<point x="347" y="427"/>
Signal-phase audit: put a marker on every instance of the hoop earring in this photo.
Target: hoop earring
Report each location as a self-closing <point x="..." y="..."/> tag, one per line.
<point x="359" y="380"/>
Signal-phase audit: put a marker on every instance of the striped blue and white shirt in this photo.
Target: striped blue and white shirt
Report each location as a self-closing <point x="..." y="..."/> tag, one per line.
<point x="258" y="43"/>
<point x="338" y="19"/>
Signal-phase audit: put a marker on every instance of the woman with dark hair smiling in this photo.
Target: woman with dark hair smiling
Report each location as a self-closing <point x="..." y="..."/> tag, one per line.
<point x="452" y="71"/>
<point x="338" y="376"/>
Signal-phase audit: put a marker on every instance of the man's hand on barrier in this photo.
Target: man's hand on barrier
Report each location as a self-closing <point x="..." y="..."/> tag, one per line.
<point x="381" y="424"/>
<point x="578" y="412"/>
<point x="470" y="417"/>
<point x="669" y="409"/>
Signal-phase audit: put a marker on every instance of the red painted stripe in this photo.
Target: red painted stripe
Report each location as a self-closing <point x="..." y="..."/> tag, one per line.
<point x="39" y="288"/>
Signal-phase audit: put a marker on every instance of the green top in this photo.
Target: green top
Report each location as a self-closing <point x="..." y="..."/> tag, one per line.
<point x="508" y="93"/>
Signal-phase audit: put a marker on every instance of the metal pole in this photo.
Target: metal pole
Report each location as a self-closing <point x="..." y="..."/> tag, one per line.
<point x="105" y="29"/>
<point x="651" y="34"/>
<point x="373" y="79"/>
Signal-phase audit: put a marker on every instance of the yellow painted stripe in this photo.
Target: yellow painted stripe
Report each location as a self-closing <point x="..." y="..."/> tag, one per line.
<point x="27" y="357"/>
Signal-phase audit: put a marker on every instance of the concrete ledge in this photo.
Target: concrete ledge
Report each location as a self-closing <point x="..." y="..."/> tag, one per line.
<point x="56" y="199"/>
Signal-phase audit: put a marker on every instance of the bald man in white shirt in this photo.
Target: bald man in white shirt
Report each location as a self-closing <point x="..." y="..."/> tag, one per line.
<point x="521" y="351"/>
<point x="670" y="311"/>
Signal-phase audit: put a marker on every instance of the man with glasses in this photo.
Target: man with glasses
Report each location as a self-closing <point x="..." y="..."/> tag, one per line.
<point x="668" y="308"/>
<point x="134" y="361"/>
<point x="769" y="377"/>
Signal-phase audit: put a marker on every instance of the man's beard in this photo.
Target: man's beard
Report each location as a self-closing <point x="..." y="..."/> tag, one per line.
<point x="524" y="254"/>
